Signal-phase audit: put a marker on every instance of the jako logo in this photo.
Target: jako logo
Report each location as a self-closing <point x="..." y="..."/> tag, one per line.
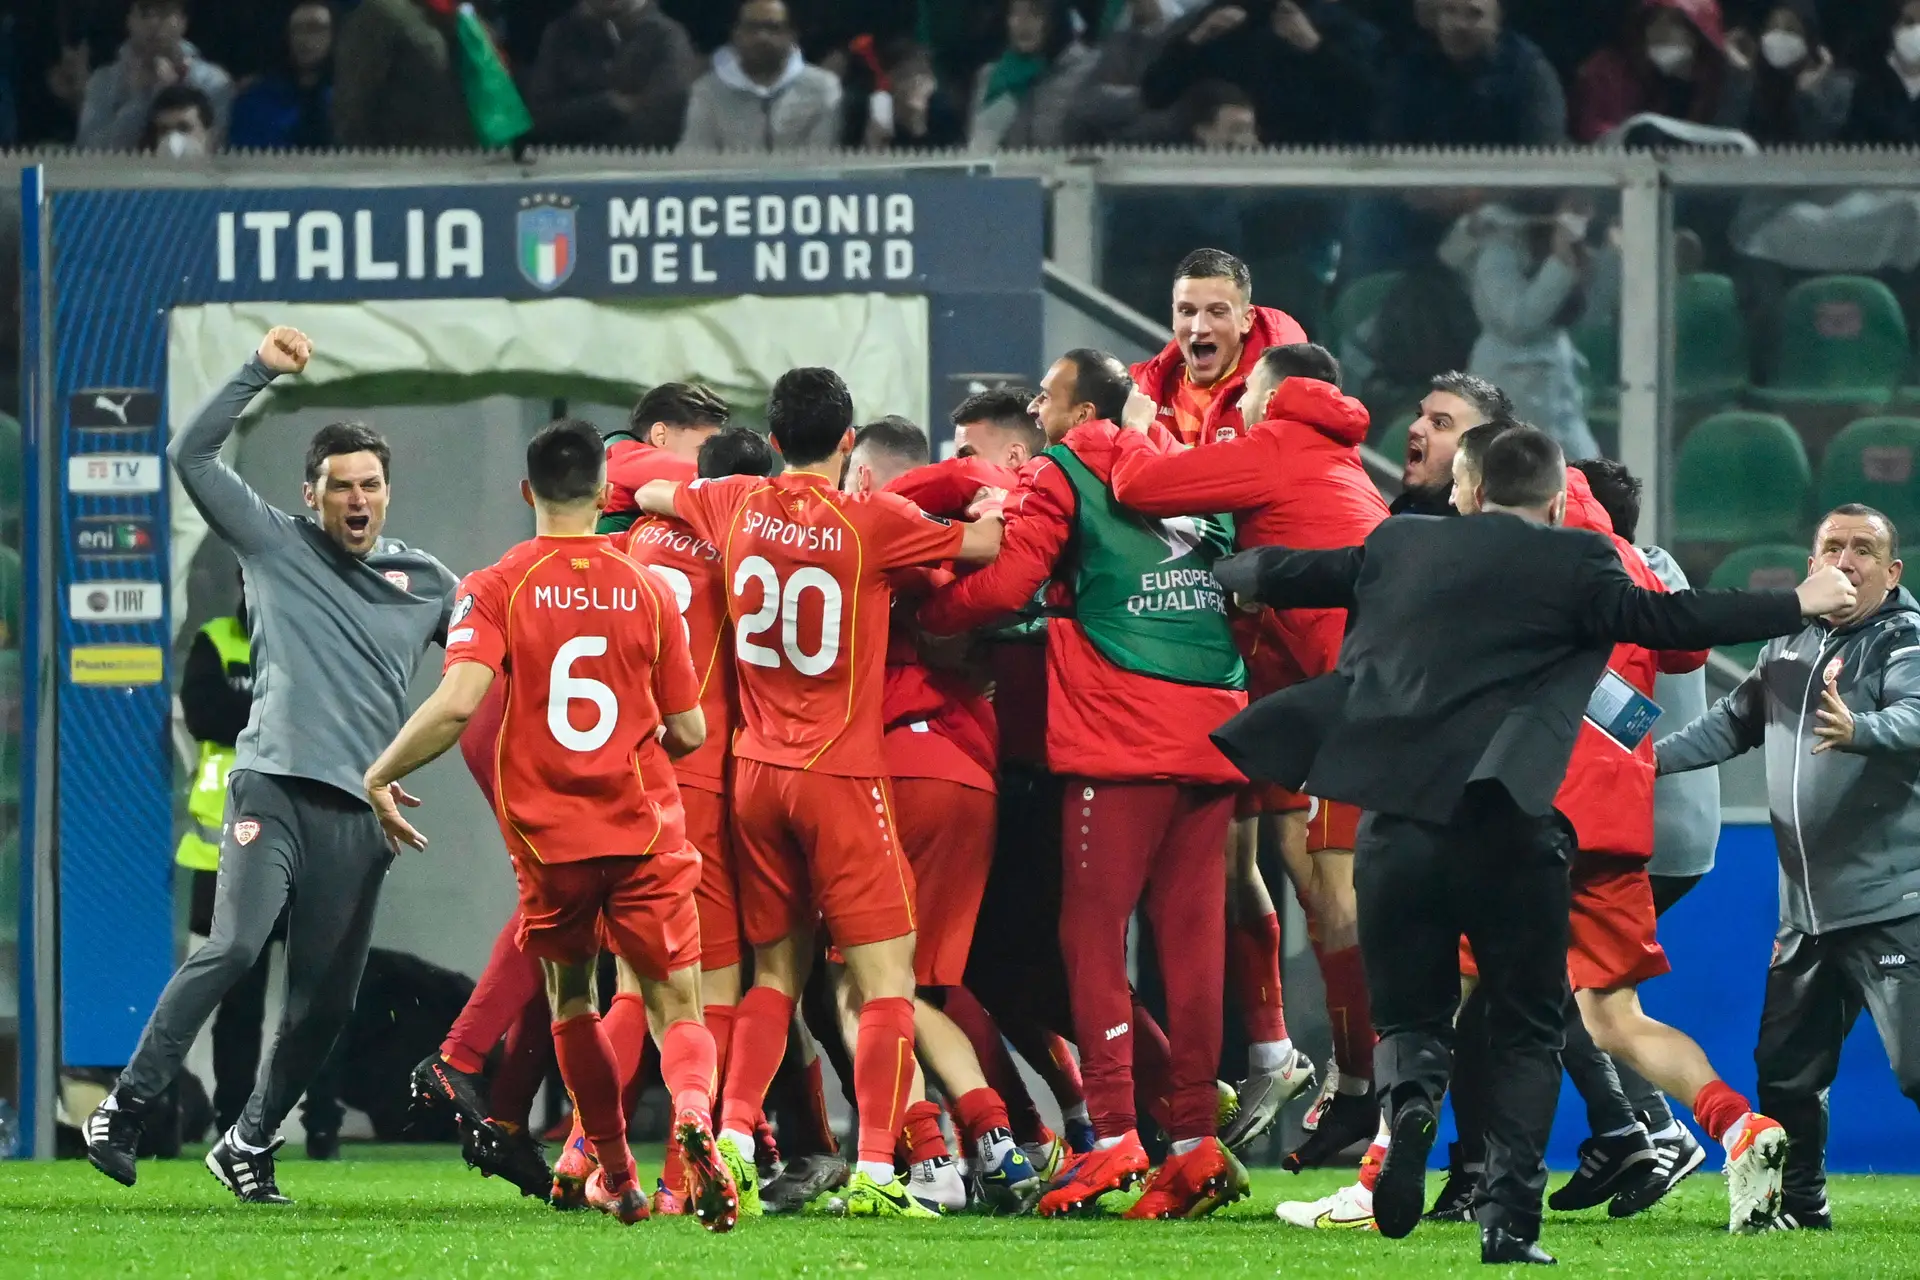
<point x="1114" y="1033"/>
<point x="1893" y="961"/>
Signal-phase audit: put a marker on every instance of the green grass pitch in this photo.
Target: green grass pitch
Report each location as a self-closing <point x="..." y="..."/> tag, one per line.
<point x="420" y="1212"/>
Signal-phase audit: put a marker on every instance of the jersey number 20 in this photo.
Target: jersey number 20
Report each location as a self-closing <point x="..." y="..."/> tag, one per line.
<point x="783" y="605"/>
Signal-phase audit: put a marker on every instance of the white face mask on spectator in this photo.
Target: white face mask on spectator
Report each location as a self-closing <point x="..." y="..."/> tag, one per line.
<point x="1671" y="58"/>
<point x="1783" y="49"/>
<point x="1575" y="224"/>
<point x="1906" y="43"/>
<point x="182" y="145"/>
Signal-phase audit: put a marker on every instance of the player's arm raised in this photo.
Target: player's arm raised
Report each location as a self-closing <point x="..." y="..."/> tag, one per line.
<point x="426" y="734"/>
<point x="231" y="506"/>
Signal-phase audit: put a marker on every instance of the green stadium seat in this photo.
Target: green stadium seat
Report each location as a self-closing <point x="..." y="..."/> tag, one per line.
<point x="1740" y="478"/>
<point x="1710" y="360"/>
<point x="1842" y="340"/>
<point x="1763" y="568"/>
<point x="1357" y="303"/>
<point x="1875" y="461"/>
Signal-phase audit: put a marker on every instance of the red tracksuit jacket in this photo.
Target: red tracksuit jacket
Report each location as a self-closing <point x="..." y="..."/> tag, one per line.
<point x="1102" y="722"/>
<point x="1160" y="376"/>
<point x="1295" y="480"/>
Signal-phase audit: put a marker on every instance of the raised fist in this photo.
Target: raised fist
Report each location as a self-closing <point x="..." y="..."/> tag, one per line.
<point x="285" y="349"/>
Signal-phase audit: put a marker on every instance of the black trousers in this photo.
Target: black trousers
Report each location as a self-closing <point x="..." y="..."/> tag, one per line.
<point x="1499" y="876"/>
<point x="1816" y="988"/>
<point x="316" y="853"/>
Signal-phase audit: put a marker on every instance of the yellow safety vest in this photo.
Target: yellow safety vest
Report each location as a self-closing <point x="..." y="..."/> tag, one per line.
<point x="207" y="798"/>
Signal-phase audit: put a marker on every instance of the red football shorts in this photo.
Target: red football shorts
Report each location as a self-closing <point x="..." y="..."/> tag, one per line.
<point x="1257" y="798"/>
<point x="1611" y="941"/>
<point x="947" y="830"/>
<point x="717" y="900"/>
<point x="1332" y="825"/>
<point x="641" y="909"/>
<point x="818" y="843"/>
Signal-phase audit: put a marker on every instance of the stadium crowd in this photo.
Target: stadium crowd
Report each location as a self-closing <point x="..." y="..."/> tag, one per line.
<point x="981" y="74"/>
<point x="917" y="709"/>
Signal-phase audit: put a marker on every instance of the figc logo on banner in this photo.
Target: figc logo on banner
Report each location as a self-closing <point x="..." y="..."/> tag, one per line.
<point x="548" y="242"/>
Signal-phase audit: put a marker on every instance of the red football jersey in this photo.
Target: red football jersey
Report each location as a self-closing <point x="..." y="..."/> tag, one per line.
<point x="592" y="652"/>
<point x="806" y="580"/>
<point x="690" y="567"/>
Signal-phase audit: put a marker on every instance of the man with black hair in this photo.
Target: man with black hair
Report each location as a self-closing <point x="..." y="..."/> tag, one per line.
<point x="589" y="809"/>
<point x="1458" y="767"/>
<point x="339" y="617"/>
<point x="1455" y="402"/>
<point x="1138" y="637"/>
<point x="883" y="449"/>
<point x="806" y="571"/>
<point x="1197" y="381"/>
<point x="665" y="431"/>
<point x="1295" y="479"/>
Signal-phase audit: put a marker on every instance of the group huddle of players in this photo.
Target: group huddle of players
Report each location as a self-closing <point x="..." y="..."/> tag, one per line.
<point x="774" y="740"/>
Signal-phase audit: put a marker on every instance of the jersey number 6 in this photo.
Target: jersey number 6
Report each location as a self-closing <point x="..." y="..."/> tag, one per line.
<point x="564" y="688"/>
<point x="784" y="605"/>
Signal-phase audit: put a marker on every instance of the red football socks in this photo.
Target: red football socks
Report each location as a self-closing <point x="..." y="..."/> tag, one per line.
<point x="1003" y="1078"/>
<point x="587" y="1065"/>
<point x="922" y="1132"/>
<point x="526" y="1054"/>
<point x="510" y="981"/>
<point x="687" y="1065"/>
<point x="1253" y="968"/>
<point x="1717" y="1107"/>
<point x="1348" y="1013"/>
<point x="1370" y="1163"/>
<point x="978" y="1113"/>
<point x="720" y="1025"/>
<point x="883" y="1074"/>
<point x="760" y="1024"/>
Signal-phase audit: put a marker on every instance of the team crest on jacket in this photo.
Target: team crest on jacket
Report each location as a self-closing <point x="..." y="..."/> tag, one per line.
<point x="1223" y="434"/>
<point x="245" y="831"/>
<point x="397" y="577"/>
<point x="1832" y="672"/>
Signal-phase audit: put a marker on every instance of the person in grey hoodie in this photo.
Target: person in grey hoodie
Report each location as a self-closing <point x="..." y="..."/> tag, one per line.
<point x="157" y="55"/>
<point x="761" y="95"/>
<point x="1837" y="708"/>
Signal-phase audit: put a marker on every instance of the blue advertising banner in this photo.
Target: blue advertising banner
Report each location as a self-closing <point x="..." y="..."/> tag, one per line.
<point x="123" y="259"/>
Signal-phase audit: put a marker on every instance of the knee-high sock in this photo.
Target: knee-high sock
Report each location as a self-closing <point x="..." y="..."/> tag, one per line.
<point x="509" y="983"/>
<point x="979" y="1112"/>
<point x="760" y="1024"/>
<point x="720" y="1026"/>
<point x="996" y="1063"/>
<point x="1348" y="1011"/>
<point x="883" y="1074"/>
<point x="688" y="1056"/>
<point x="920" y="1133"/>
<point x="1717" y="1106"/>
<point x="1253" y="969"/>
<point x="525" y="1056"/>
<point x="593" y="1078"/>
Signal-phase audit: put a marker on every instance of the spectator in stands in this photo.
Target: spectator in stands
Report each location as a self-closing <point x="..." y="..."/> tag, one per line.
<point x="1527" y="266"/>
<point x="1022" y="99"/>
<point x="1220" y="117"/>
<point x="906" y="108"/>
<point x="1477" y="84"/>
<point x="157" y="55"/>
<point x="612" y="73"/>
<point x="761" y="95"/>
<point x="1799" y="95"/>
<point x="1886" y="100"/>
<point x="1109" y="107"/>
<point x="1672" y="60"/>
<point x="179" y="124"/>
<point x="397" y="79"/>
<point x="292" y="105"/>
<point x="1311" y="67"/>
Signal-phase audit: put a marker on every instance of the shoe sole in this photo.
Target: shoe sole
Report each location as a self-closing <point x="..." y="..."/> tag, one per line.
<point x="1400" y="1193"/>
<point x="125" y="1181"/>
<point x="714" y="1200"/>
<point x="1770" y="1148"/>
<point x="428" y="1097"/>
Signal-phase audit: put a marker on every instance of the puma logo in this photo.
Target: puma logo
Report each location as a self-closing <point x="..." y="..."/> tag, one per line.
<point x="118" y="408"/>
